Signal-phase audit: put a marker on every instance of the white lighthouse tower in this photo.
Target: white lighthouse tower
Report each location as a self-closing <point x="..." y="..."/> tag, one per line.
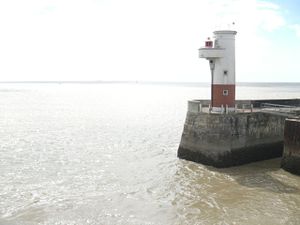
<point x="221" y="56"/>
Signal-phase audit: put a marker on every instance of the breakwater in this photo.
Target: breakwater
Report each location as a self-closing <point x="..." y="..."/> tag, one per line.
<point x="291" y="154"/>
<point x="249" y="134"/>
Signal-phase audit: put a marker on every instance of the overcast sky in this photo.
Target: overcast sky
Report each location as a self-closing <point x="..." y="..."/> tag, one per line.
<point x="145" y="40"/>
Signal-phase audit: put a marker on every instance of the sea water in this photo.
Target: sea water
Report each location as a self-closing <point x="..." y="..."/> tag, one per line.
<point x="106" y="154"/>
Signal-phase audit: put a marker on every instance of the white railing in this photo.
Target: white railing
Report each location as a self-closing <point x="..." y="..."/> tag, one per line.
<point x="204" y="106"/>
<point x="242" y="106"/>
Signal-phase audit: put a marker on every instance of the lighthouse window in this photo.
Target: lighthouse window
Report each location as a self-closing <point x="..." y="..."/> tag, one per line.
<point x="225" y="92"/>
<point x="208" y="44"/>
<point x="225" y="72"/>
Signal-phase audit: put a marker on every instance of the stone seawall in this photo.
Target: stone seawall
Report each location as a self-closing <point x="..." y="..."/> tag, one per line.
<point x="291" y="154"/>
<point x="224" y="140"/>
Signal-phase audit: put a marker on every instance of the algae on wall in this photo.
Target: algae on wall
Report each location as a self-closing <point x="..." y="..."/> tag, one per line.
<point x="224" y="140"/>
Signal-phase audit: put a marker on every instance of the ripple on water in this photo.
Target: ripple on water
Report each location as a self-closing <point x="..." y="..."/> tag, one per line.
<point x="84" y="156"/>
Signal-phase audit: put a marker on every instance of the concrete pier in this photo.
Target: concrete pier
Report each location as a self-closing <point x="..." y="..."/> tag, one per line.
<point x="227" y="132"/>
<point x="232" y="138"/>
<point x="291" y="154"/>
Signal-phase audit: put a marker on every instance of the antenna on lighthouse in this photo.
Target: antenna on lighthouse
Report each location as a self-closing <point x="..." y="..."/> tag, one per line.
<point x="230" y="26"/>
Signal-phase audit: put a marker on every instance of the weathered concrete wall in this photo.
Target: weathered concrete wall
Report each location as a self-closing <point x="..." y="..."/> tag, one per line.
<point x="224" y="140"/>
<point x="291" y="154"/>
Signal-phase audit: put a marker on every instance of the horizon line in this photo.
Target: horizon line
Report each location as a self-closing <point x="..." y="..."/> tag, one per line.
<point x="141" y="82"/>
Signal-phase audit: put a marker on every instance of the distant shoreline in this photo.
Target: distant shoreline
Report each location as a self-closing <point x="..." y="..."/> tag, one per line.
<point x="194" y="84"/>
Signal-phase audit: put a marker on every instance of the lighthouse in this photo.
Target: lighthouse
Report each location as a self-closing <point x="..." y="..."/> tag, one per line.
<point x="221" y="56"/>
<point x="217" y="138"/>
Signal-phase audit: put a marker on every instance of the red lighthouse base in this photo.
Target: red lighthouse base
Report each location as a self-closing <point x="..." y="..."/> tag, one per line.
<point x="223" y="95"/>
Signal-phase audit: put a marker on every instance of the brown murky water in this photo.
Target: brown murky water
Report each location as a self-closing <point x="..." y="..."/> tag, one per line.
<point x="106" y="154"/>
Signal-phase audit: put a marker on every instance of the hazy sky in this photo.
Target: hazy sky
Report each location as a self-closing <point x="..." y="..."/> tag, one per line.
<point x="148" y="40"/>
